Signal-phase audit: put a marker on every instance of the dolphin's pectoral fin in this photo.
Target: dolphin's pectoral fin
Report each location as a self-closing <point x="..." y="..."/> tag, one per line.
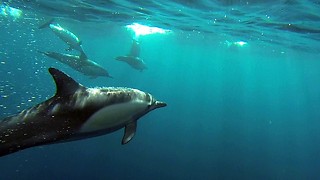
<point x="129" y="132"/>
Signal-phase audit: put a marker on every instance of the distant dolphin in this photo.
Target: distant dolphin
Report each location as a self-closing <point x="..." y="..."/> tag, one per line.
<point x="68" y="37"/>
<point x="133" y="57"/>
<point x="79" y="63"/>
<point x="75" y="112"/>
<point x="134" y="62"/>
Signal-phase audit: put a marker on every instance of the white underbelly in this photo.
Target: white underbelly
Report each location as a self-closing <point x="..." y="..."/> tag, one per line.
<point x="66" y="36"/>
<point x="113" y="116"/>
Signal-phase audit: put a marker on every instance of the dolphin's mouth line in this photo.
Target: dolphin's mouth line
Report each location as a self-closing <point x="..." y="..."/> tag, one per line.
<point x="159" y="104"/>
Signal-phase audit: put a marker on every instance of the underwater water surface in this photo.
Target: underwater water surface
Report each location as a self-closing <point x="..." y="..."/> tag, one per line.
<point x="241" y="80"/>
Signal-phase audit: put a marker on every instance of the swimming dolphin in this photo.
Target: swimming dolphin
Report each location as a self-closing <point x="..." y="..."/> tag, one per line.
<point x="79" y="63"/>
<point x="134" y="62"/>
<point x="76" y="112"/>
<point x="133" y="57"/>
<point x="68" y="37"/>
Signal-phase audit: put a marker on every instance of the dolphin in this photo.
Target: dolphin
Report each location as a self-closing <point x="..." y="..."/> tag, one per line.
<point x="133" y="57"/>
<point x="68" y="37"/>
<point x="79" y="63"/>
<point x="76" y="112"/>
<point x="134" y="62"/>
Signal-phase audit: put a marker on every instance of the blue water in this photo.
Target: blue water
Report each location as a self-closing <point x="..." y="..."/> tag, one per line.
<point x="233" y="112"/>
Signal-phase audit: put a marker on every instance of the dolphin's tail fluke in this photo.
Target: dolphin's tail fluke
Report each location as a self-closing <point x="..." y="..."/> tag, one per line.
<point x="46" y="24"/>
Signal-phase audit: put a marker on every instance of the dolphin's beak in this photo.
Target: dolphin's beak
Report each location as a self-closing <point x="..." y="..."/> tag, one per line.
<point x="159" y="104"/>
<point x="110" y="76"/>
<point x="42" y="52"/>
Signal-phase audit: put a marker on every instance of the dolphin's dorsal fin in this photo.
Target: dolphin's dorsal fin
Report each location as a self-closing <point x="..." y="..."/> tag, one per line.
<point x="83" y="56"/>
<point x="129" y="132"/>
<point x="135" y="49"/>
<point x="65" y="84"/>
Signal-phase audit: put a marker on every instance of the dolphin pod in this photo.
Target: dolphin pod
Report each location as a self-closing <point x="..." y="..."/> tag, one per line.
<point x="65" y="35"/>
<point x="79" y="63"/>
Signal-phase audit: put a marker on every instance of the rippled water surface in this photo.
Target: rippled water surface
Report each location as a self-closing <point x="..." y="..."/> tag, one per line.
<point x="292" y="23"/>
